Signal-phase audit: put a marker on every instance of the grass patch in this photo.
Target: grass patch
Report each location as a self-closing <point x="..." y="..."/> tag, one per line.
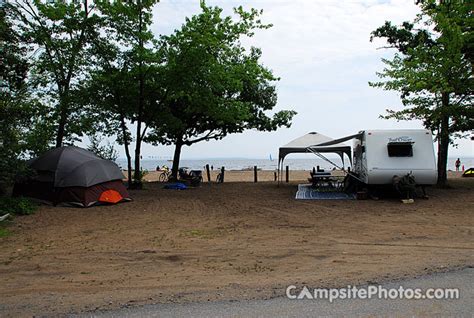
<point x="4" y="232"/>
<point x="14" y="206"/>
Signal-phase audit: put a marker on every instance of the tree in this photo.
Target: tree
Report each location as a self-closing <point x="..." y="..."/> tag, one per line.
<point x="130" y="23"/>
<point x="110" y="93"/>
<point x="106" y="151"/>
<point x="433" y="71"/>
<point x="63" y="32"/>
<point x="13" y="70"/>
<point x="20" y="114"/>
<point x="211" y="85"/>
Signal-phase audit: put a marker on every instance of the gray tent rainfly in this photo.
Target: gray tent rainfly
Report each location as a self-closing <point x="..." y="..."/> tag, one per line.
<point x="73" y="175"/>
<point x="316" y="143"/>
<point x="74" y="166"/>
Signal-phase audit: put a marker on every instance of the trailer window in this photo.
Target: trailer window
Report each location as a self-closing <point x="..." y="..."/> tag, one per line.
<point x="400" y="149"/>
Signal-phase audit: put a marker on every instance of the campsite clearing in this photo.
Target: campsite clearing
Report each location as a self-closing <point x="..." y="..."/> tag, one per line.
<point x="227" y="241"/>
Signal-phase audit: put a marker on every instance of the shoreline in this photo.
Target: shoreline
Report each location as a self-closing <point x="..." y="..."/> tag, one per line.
<point x="238" y="164"/>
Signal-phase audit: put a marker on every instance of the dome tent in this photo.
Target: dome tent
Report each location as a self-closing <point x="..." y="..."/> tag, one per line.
<point x="73" y="175"/>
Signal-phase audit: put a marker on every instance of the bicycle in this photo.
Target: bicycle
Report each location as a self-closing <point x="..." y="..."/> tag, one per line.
<point x="164" y="176"/>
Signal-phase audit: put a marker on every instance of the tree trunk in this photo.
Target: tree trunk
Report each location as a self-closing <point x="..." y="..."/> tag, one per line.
<point x="138" y="139"/>
<point x="61" y="128"/>
<point x="127" y="149"/>
<point x="63" y="114"/>
<point x="443" y="144"/>
<point x="138" y="144"/>
<point x="141" y="79"/>
<point x="176" y="157"/>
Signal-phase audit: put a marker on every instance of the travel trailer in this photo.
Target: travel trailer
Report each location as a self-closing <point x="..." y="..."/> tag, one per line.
<point x="379" y="155"/>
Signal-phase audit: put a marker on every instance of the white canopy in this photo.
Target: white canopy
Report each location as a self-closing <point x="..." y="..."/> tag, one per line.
<point x="311" y="143"/>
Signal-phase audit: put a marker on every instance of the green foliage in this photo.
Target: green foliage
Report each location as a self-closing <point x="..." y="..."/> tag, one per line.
<point x="4" y="232"/>
<point x="20" y="113"/>
<point x="107" y="151"/>
<point x="211" y="85"/>
<point x="13" y="115"/>
<point x="141" y="175"/>
<point x="64" y="35"/>
<point x="16" y="206"/>
<point x="97" y="67"/>
<point x="432" y="63"/>
<point x="13" y="67"/>
<point x="131" y="43"/>
<point x="433" y="71"/>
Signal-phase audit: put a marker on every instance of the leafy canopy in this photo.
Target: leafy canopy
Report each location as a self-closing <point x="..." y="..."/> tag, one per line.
<point x="211" y="84"/>
<point x="64" y="35"/>
<point x="21" y="115"/>
<point x="434" y="58"/>
<point x="433" y="71"/>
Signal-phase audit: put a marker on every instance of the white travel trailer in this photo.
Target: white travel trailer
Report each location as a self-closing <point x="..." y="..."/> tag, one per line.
<point x="379" y="155"/>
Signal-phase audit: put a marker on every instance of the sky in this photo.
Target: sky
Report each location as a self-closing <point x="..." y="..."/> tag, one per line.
<point x="321" y="51"/>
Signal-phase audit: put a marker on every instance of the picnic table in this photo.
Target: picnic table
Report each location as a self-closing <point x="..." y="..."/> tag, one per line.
<point x="326" y="181"/>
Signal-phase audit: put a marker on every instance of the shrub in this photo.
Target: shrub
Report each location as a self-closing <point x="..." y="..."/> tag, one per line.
<point x="19" y="206"/>
<point x="138" y="183"/>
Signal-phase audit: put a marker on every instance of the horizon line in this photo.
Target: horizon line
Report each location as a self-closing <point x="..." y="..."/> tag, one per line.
<point x="249" y="158"/>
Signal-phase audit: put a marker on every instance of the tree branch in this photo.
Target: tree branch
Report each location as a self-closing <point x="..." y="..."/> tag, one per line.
<point x="48" y="43"/>
<point x="206" y="137"/>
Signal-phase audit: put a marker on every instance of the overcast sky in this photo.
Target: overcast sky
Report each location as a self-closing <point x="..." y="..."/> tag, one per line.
<point x="321" y="51"/>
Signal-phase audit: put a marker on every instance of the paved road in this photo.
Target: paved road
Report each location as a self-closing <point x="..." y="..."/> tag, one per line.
<point x="283" y="307"/>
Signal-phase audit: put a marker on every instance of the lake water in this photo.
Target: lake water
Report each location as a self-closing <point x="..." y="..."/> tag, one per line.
<point x="264" y="164"/>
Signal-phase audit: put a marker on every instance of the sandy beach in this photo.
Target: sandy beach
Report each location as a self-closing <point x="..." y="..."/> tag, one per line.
<point x="244" y="176"/>
<point x="262" y="175"/>
<point x="237" y="240"/>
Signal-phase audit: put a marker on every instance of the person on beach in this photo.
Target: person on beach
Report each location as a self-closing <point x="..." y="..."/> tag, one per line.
<point x="458" y="164"/>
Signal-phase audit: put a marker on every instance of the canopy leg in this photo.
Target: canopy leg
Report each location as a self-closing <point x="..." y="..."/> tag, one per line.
<point x="278" y="176"/>
<point x="278" y="173"/>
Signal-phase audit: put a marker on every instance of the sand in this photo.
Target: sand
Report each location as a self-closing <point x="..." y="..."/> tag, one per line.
<point x="262" y="175"/>
<point x="245" y="176"/>
<point x="224" y="241"/>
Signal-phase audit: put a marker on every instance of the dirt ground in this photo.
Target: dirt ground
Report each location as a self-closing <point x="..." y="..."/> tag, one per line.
<point x="224" y="241"/>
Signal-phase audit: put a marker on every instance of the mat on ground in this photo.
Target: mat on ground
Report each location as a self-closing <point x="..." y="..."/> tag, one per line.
<point x="306" y="192"/>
